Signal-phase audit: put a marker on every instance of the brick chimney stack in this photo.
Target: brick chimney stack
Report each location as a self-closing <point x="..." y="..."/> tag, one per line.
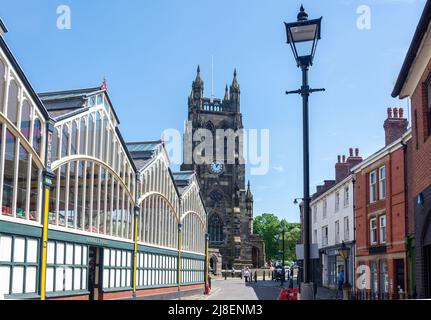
<point x="395" y="125"/>
<point x="343" y="167"/>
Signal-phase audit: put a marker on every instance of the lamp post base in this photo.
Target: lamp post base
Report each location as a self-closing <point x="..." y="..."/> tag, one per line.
<point x="346" y="291"/>
<point x="307" y="291"/>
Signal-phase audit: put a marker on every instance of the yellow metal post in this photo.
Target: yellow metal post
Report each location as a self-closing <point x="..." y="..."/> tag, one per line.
<point x="44" y="246"/>
<point x="135" y="251"/>
<point x="47" y="182"/>
<point x="179" y="256"/>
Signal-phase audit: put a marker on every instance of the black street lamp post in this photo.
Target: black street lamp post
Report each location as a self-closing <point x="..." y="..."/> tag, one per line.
<point x="303" y="36"/>
<point x="284" y="254"/>
<point x="345" y="253"/>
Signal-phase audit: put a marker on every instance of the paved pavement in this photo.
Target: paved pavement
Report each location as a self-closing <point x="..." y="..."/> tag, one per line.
<point x="237" y="289"/>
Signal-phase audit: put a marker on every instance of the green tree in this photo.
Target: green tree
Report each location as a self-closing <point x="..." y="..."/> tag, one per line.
<point x="269" y="227"/>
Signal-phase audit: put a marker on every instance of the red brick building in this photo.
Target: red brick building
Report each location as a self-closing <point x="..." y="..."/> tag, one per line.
<point x="380" y="214"/>
<point x="414" y="81"/>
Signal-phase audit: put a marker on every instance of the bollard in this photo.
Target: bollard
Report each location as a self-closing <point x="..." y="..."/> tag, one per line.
<point x="263" y="275"/>
<point x="255" y="276"/>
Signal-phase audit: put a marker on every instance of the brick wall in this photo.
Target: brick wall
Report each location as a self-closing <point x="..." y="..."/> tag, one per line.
<point x="420" y="178"/>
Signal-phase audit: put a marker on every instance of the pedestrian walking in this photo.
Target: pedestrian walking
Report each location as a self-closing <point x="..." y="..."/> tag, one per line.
<point x="246" y="274"/>
<point x="340" y="282"/>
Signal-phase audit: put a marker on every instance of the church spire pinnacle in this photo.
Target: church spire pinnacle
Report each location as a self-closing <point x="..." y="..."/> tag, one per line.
<point x="198" y="85"/>
<point x="226" y="93"/>
<point x="234" y="81"/>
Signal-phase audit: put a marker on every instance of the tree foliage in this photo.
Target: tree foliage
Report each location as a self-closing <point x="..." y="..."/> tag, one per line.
<point x="269" y="227"/>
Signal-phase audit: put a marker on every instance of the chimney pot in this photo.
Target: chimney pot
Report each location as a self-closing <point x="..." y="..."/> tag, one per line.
<point x="351" y="152"/>
<point x="357" y="152"/>
<point x="395" y="113"/>
<point x="401" y="112"/>
<point x="389" y="113"/>
<point x="344" y="158"/>
<point x="339" y="159"/>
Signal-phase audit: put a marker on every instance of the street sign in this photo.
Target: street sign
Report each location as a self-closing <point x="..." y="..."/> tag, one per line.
<point x="314" y="251"/>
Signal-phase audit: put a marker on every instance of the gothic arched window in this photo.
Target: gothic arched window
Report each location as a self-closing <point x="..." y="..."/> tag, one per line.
<point x="215" y="229"/>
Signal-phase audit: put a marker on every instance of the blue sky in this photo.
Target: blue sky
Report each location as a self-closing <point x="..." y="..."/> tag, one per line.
<point x="148" y="51"/>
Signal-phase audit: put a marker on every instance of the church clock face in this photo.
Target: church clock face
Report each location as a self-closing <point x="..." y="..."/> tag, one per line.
<point x="216" y="167"/>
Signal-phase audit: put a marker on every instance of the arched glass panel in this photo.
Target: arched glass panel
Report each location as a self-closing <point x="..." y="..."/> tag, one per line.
<point x="82" y="134"/>
<point x="2" y="83"/>
<point x="95" y="217"/>
<point x="12" y="105"/>
<point x="34" y="192"/>
<point x="25" y="119"/>
<point x="102" y="201"/>
<point x="53" y="200"/>
<point x="62" y="199"/>
<point x="37" y="136"/>
<point x="64" y="140"/>
<point x="90" y="135"/>
<point x="21" y="199"/>
<point x="54" y="145"/>
<point x="74" y="138"/>
<point x="8" y="174"/>
<point x="72" y="193"/>
<point x="97" y="136"/>
<point x="81" y="192"/>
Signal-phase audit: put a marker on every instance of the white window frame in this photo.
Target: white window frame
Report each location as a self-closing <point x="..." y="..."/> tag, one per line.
<point x="346" y="229"/>
<point x="346" y="196"/>
<point x="382" y="183"/>
<point x="382" y="228"/>
<point x="325" y="236"/>
<point x="337" y="201"/>
<point x="337" y="231"/>
<point x="373" y="186"/>
<point x="325" y="208"/>
<point x="373" y="231"/>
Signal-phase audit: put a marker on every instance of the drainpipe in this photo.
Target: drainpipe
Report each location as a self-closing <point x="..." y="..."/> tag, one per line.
<point x="408" y="265"/>
<point x="353" y="256"/>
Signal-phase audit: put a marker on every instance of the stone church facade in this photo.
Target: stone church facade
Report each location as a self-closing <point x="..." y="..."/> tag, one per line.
<point x="228" y="201"/>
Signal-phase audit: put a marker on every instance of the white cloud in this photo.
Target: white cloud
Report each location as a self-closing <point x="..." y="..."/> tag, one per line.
<point x="279" y="168"/>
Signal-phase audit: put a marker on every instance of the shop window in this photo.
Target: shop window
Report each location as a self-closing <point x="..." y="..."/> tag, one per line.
<point x="12" y="105"/>
<point x="67" y="267"/>
<point x="18" y="265"/>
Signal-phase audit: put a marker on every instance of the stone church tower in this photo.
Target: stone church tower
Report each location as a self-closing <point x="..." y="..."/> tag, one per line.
<point x="228" y="201"/>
